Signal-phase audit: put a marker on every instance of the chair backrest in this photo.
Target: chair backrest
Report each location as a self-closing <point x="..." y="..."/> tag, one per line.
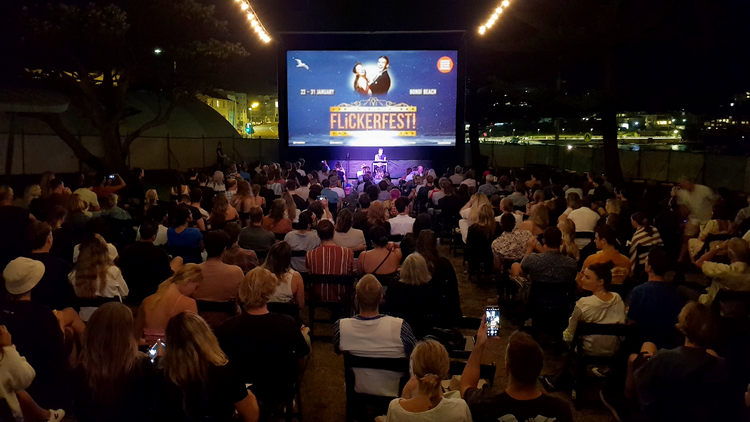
<point x="291" y="309"/>
<point x="279" y="236"/>
<point x="298" y="254"/>
<point x="261" y="255"/>
<point x="229" y="307"/>
<point x="551" y="294"/>
<point x="395" y="237"/>
<point x="400" y="365"/>
<point x="182" y="251"/>
<point x="731" y="304"/>
<point x="94" y="302"/>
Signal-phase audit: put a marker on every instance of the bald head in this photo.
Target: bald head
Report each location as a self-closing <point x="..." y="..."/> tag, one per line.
<point x="369" y="293"/>
<point x="739" y="250"/>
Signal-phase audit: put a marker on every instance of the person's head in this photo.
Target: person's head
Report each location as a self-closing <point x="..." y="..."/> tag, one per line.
<point x="186" y="279"/>
<point x="180" y="216"/>
<point x="291" y="185"/>
<point x="232" y="230"/>
<point x="506" y="205"/>
<point x="278" y="207"/>
<point x="56" y="216"/>
<point x="110" y="202"/>
<point x="376" y="213"/>
<point x="21" y="275"/>
<point x="598" y="277"/>
<point x="540" y="216"/>
<point x="359" y="70"/>
<point x="613" y="206"/>
<point x="218" y="177"/>
<point x="639" y="219"/>
<point x="395" y="194"/>
<point x="306" y="220"/>
<point x="40" y="236"/>
<point x="574" y="200"/>
<point x="383" y="62"/>
<point x="32" y="192"/>
<point x="568" y="228"/>
<point x="538" y="196"/>
<point x="219" y="211"/>
<point x="91" y="267"/>
<point x="216" y="243"/>
<point x="369" y="293"/>
<point x="507" y="222"/>
<point x="552" y="238"/>
<point x="316" y="208"/>
<point x="430" y="364"/>
<point x="523" y="359"/>
<point x="196" y="196"/>
<point x="486" y="219"/>
<point x="260" y="283"/>
<point x="335" y="181"/>
<point x="738" y="250"/>
<point x="364" y="202"/>
<point x="57" y="186"/>
<point x="383" y="185"/>
<point x="380" y="151"/>
<point x="520" y="188"/>
<point x="698" y="324"/>
<point x="192" y="348"/>
<point x="109" y="351"/>
<point x="414" y="270"/>
<point x="605" y="236"/>
<point x="343" y="221"/>
<point x="372" y="191"/>
<point x="279" y="259"/>
<point x="402" y="204"/>
<point x="325" y="183"/>
<point x="658" y="261"/>
<point x="243" y="189"/>
<point x="447" y="187"/>
<point x="76" y="204"/>
<point x="325" y="230"/>
<point x="379" y="236"/>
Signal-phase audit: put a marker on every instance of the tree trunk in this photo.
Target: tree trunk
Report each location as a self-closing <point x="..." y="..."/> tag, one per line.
<point x="609" y="122"/>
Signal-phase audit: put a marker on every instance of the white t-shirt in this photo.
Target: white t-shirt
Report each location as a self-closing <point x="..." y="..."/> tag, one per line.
<point x="401" y="224"/>
<point x="352" y="238"/>
<point x="519" y="219"/>
<point x="88" y="196"/>
<point x="303" y="192"/>
<point x="161" y="236"/>
<point x="116" y="286"/>
<point x="585" y="219"/>
<point x="453" y="410"/>
<point x="470" y="183"/>
<point x="699" y="202"/>
<point x="340" y="192"/>
<point x="579" y="191"/>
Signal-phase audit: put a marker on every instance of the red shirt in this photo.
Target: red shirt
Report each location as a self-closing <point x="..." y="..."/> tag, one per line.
<point x="330" y="260"/>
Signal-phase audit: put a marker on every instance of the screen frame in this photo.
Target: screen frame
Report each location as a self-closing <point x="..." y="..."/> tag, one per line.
<point x="373" y="41"/>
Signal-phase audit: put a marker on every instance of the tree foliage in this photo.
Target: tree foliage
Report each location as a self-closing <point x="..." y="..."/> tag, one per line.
<point x="97" y="53"/>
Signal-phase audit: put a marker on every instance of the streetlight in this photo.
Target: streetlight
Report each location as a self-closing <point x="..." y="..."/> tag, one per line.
<point x="157" y="51"/>
<point x="253" y="106"/>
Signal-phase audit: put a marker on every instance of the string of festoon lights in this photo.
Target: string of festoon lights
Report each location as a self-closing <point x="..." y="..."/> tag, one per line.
<point x="252" y="17"/>
<point x="487" y="25"/>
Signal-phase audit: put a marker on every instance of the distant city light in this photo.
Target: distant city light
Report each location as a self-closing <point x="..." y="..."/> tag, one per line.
<point x="731" y="104"/>
<point x="570" y="147"/>
<point x="676" y="131"/>
<point x="157" y="51"/>
<point x="494" y="17"/>
<point x="255" y="104"/>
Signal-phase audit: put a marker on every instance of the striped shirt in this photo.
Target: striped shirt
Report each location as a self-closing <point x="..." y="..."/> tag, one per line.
<point x="407" y="336"/>
<point x="330" y="260"/>
<point x="642" y="238"/>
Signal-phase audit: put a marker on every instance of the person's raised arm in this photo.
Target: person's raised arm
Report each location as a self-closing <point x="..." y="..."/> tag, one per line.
<point x="248" y="408"/>
<point x="470" y="376"/>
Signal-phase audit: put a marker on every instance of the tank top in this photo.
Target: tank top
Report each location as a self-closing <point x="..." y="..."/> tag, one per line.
<point x="283" y="291"/>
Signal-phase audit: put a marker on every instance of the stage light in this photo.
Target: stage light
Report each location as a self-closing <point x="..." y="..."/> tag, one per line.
<point x="493" y="17"/>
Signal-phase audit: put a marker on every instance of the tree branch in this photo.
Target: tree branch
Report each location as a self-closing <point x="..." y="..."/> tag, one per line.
<point x="55" y="123"/>
<point x="156" y="121"/>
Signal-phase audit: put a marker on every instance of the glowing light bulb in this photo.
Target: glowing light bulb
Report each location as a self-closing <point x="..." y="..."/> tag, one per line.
<point x="244" y="6"/>
<point x="482" y="29"/>
<point x="250" y="16"/>
<point x="254" y="23"/>
<point x="506" y="3"/>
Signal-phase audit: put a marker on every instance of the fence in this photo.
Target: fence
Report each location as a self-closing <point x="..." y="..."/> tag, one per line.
<point x="34" y="154"/>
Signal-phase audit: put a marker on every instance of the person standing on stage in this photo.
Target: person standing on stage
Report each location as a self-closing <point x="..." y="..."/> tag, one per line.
<point x="380" y="156"/>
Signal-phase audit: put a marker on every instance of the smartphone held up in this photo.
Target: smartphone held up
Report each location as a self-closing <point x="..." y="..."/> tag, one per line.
<point x="492" y="321"/>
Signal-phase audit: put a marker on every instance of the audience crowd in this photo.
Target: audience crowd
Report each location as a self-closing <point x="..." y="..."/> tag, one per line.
<point x="120" y="306"/>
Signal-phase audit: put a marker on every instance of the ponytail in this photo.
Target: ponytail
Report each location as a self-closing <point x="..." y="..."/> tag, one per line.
<point x="642" y="220"/>
<point x="430" y="364"/>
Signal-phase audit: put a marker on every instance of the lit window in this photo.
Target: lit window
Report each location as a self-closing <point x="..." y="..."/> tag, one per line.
<point x="217" y="103"/>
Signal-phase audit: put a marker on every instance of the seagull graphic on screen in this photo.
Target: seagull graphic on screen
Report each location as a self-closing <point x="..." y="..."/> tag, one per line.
<point x="301" y="64"/>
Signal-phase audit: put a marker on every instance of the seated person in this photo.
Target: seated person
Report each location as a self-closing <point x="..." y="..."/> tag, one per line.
<point x="383" y="259"/>
<point x="346" y="235"/>
<point x="289" y="285"/>
<point x="402" y="223"/>
<point x="211" y="388"/>
<point x="430" y="364"/>
<point x="38" y="331"/>
<point x="53" y="290"/>
<point x="654" y="305"/>
<point x="16" y="375"/>
<point x="370" y="334"/>
<point x="269" y="349"/>
<point x="329" y="259"/>
<point x="734" y="277"/>
<point x="689" y="383"/>
<point x="513" y="242"/>
<point x="172" y="298"/>
<point x="186" y="242"/>
<point x="304" y="239"/>
<point x="111" y="210"/>
<point x="413" y="299"/>
<point x="95" y="276"/>
<point x="522" y="400"/>
<point x="409" y="243"/>
<point x="220" y="280"/>
<point x="275" y="222"/>
<point x="548" y="266"/>
<point x="144" y="263"/>
<point x="606" y="242"/>
<point x="480" y="237"/>
<point x="602" y="307"/>
<point x="234" y="255"/>
<point x="254" y="237"/>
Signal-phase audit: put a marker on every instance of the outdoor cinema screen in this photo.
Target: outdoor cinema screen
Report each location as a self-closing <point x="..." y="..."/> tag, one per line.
<point x="371" y="98"/>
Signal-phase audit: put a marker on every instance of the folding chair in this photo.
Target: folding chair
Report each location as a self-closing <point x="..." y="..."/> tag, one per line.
<point x="313" y="301"/>
<point x="357" y="404"/>
<point x="291" y="309"/>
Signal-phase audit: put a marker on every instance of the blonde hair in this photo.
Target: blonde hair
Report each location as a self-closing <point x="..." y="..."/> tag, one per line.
<point x="257" y="286"/>
<point x="191" y="349"/>
<point x="540" y="216"/>
<point x="152" y="198"/>
<point x="76" y="204"/>
<point x="414" y="271"/>
<point x="479" y="200"/>
<point x="291" y="207"/>
<point x="91" y="267"/>
<point x="486" y="219"/>
<point x="109" y="352"/>
<point x="111" y="201"/>
<point x="613" y="206"/>
<point x="376" y="213"/>
<point x="32" y="192"/>
<point x="430" y="363"/>
<point x="568" y="245"/>
<point x="369" y="292"/>
<point x="186" y="274"/>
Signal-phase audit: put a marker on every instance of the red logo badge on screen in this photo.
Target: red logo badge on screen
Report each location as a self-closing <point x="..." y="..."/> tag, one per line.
<point x="445" y="64"/>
